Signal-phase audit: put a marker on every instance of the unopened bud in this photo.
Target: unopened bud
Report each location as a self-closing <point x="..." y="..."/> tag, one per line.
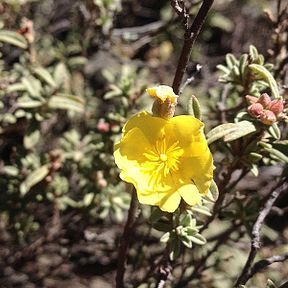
<point x="264" y="100"/>
<point x="276" y="106"/>
<point x="165" y="101"/>
<point x="163" y="92"/>
<point x="268" y="117"/>
<point x="255" y="110"/>
<point x="103" y="126"/>
<point x="251" y="99"/>
<point x="102" y="183"/>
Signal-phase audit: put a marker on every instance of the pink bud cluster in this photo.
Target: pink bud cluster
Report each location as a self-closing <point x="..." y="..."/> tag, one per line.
<point x="266" y="110"/>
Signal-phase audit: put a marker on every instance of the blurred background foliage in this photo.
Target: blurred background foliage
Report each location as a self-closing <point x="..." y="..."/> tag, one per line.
<point x="71" y="73"/>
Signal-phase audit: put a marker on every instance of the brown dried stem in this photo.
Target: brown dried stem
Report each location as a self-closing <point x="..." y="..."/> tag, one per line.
<point x="125" y="241"/>
<point x="255" y="242"/>
<point x="190" y="36"/>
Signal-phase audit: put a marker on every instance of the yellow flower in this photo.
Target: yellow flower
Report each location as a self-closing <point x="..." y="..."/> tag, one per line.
<point x="165" y="159"/>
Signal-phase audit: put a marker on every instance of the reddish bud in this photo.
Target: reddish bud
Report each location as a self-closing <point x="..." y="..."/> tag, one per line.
<point x="276" y="106"/>
<point x="255" y="110"/>
<point x="268" y="117"/>
<point x="264" y="100"/>
<point x="103" y="126"/>
<point x="251" y="99"/>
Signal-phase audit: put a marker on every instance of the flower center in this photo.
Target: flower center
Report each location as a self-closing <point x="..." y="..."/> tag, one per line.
<point x="162" y="159"/>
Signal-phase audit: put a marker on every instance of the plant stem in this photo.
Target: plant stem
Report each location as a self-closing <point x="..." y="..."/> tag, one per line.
<point x="255" y="242"/>
<point x="125" y="241"/>
<point x="189" y="39"/>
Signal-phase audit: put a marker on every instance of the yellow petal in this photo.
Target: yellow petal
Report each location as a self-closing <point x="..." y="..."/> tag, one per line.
<point x="189" y="132"/>
<point x="149" y="198"/>
<point x="131" y="148"/>
<point x="169" y="202"/>
<point x="150" y="126"/>
<point x="198" y="169"/>
<point x="190" y="194"/>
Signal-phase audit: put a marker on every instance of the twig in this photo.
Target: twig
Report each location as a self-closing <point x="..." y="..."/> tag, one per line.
<point x="126" y="237"/>
<point x="262" y="264"/>
<point x="164" y="270"/>
<point x="190" y="79"/>
<point x="179" y="7"/>
<point x="284" y="285"/>
<point x="189" y="39"/>
<point x="255" y="242"/>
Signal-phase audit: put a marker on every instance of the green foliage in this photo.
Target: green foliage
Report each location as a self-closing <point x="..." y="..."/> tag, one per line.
<point x="64" y="98"/>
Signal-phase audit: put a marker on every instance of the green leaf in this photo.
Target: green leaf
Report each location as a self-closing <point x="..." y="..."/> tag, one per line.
<point x="165" y="237"/>
<point x="31" y="139"/>
<point x="10" y="170"/>
<point x="254" y="157"/>
<point x="274" y="131"/>
<point x="66" y="102"/>
<point x="220" y="131"/>
<point x="243" y="64"/>
<point x="175" y="248"/>
<point x="270" y="284"/>
<point x="186" y="241"/>
<point x="16" y="87"/>
<point x="32" y="85"/>
<point x="198" y="239"/>
<point x="34" y="178"/>
<point x="156" y="215"/>
<point x="61" y="76"/>
<point x="277" y="154"/>
<point x="194" y="108"/>
<point x="88" y="198"/>
<point x="13" y="38"/>
<point x="266" y="75"/>
<point x="214" y="190"/>
<point x="25" y="102"/>
<point x="186" y="220"/>
<point x="254" y="170"/>
<point x="161" y="226"/>
<point x="253" y="52"/>
<point x="243" y="128"/>
<point x="223" y="68"/>
<point x="77" y="61"/>
<point x="231" y="60"/>
<point x="201" y="209"/>
<point x="44" y="75"/>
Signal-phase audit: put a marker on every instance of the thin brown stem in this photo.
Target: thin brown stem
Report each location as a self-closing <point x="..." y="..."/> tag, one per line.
<point x="125" y="241"/>
<point x="189" y="39"/>
<point x="255" y="242"/>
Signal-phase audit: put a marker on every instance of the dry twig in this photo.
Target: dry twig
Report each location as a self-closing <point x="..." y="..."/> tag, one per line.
<point x="255" y="242"/>
<point x="125" y="241"/>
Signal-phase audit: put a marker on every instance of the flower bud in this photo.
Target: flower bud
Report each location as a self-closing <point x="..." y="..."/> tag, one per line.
<point x="165" y="101"/>
<point x="255" y="110"/>
<point x="251" y="99"/>
<point x="103" y="126"/>
<point x="276" y="106"/>
<point x="264" y="100"/>
<point x="163" y="92"/>
<point x="268" y="117"/>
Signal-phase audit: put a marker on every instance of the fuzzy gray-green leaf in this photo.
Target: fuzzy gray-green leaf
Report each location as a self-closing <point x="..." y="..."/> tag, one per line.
<point x="66" y="102"/>
<point x="34" y="178"/>
<point x="13" y="38"/>
<point x="243" y="128"/>
<point x="220" y="131"/>
<point x="266" y="75"/>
